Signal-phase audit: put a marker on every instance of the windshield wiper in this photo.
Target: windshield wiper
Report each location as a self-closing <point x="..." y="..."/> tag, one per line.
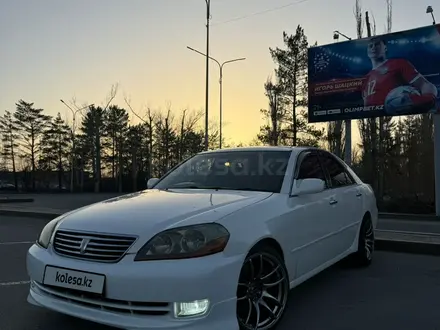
<point x="184" y="187"/>
<point x="214" y="188"/>
<point x="194" y="187"/>
<point x="248" y="189"/>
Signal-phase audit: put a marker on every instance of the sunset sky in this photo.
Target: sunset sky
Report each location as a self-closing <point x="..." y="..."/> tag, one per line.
<point x="52" y="49"/>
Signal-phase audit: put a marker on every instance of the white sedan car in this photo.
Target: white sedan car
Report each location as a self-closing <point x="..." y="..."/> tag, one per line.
<point x="217" y="243"/>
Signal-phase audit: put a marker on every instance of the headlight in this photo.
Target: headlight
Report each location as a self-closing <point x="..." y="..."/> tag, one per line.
<point x="185" y="242"/>
<point x="46" y="233"/>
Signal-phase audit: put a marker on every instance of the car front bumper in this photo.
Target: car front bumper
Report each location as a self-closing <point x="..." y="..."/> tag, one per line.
<point x="141" y="295"/>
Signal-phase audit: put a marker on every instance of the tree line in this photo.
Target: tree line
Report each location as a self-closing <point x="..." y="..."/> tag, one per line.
<point x="108" y="153"/>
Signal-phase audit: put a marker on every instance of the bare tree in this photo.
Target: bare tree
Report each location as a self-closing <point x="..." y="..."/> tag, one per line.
<point x="389" y="26"/>
<point x="192" y="119"/>
<point x="149" y="120"/>
<point x="359" y="19"/>
<point x="145" y="119"/>
<point x="335" y="143"/>
<point x="373" y="25"/>
<point x="382" y="120"/>
<point x="111" y="95"/>
<point x="182" y="135"/>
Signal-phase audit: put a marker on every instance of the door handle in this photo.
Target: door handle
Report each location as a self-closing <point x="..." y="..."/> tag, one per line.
<point x="333" y="202"/>
<point x="358" y="194"/>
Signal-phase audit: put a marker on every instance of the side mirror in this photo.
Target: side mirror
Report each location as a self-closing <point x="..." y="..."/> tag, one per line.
<point x="151" y="182"/>
<point x="307" y="186"/>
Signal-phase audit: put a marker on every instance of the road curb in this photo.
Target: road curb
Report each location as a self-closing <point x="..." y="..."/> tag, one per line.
<point x="408" y="247"/>
<point x="30" y="214"/>
<point x="406" y="216"/>
<point x="16" y="200"/>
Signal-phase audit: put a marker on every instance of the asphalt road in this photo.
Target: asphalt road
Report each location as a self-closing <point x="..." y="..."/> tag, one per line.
<point x="397" y="292"/>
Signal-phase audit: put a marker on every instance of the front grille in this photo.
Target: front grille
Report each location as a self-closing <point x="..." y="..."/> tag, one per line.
<point x="98" y="302"/>
<point x="91" y="246"/>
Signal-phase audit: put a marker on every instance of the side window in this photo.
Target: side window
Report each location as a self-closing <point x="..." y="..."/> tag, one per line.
<point x="310" y="168"/>
<point x="337" y="173"/>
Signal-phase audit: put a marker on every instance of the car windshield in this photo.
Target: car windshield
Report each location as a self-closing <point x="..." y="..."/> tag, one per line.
<point x="230" y="170"/>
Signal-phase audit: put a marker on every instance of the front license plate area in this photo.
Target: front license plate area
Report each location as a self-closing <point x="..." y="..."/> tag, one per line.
<point x="74" y="279"/>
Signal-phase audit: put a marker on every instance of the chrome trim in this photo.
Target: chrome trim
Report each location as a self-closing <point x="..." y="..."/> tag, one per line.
<point x="92" y="246"/>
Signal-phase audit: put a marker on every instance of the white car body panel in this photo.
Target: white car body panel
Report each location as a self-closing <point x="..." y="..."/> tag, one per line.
<point x="312" y="232"/>
<point x="148" y="212"/>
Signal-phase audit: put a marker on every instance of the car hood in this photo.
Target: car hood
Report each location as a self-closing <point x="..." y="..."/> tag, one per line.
<point x="151" y="211"/>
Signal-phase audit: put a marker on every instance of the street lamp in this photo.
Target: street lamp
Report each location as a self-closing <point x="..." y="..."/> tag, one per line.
<point x="208" y="17"/>
<point x="336" y="35"/>
<point x="74" y="112"/>
<point x="429" y="10"/>
<point x="220" y="65"/>
<point x="347" y="122"/>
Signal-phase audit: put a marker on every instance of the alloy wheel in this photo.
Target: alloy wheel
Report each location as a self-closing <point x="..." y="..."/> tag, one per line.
<point x="262" y="292"/>
<point x="369" y="240"/>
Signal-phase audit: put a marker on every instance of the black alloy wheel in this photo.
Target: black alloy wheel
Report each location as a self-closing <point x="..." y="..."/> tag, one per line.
<point x="364" y="255"/>
<point x="262" y="291"/>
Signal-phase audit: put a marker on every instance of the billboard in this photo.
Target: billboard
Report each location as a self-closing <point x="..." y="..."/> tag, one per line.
<point x="388" y="75"/>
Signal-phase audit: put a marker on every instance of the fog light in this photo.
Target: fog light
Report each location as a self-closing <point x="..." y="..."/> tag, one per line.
<point x="194" y="308"/>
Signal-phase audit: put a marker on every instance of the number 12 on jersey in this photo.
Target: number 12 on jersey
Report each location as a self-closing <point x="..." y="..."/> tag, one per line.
<point x="371" y="87"/>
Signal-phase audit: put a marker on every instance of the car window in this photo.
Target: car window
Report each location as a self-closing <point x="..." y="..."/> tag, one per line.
<point x="310" y="168"/>
<point x="336" y="171"/>
<point x="234" y="170"/>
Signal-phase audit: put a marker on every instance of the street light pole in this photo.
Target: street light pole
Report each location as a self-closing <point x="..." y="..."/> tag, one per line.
<point x="221" y="106"/>
<point x="72" y="154"/>
<point x="336" y="35"/>
<point x="347" y="122"/>
<point x="436" y="119"/>
<point x="220" y="65"/>
<point x="429" y="10"/>
<point x="208" y="17"/>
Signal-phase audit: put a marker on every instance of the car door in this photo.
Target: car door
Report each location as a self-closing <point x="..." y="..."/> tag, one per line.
<point x="310" y="216"/>
<point x="348" y="197"/>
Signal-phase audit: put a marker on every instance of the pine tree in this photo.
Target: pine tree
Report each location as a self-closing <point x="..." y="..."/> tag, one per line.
<point x="31" y="123"/>
<point x="291" y="73"/>
<point x="9" y="138"/>
<point x="166" y="150"/>
<point x="288" y="97"/>
<point x="55" y="147"/>
<point x="93" y="127"/>
<point x="116" y="129"/>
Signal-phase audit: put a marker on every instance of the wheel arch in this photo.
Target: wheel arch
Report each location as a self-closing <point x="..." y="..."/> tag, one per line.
<point x="367" y="215"/>
<point x="269" y="242"/>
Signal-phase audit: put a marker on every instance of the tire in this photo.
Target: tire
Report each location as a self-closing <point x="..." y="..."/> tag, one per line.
<point x="263" y="286"/>
<point x="364" y="255"/>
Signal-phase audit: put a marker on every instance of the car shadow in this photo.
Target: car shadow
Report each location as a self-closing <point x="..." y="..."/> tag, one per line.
<point x="302" y="299"/>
